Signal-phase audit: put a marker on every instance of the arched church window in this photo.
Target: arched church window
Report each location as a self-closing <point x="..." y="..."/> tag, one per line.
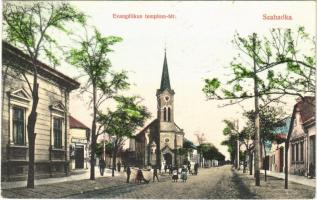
<point x="169" y="114"/>
<point x="164" y="114"/>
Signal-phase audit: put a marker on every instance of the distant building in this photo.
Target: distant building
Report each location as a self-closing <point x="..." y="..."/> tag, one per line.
<point x="302" y="141"/>
<point x="277" y="151"/>
<point x="52" y="125"/>
<point x="79" y="146"/>
<point x="158" y="142"/>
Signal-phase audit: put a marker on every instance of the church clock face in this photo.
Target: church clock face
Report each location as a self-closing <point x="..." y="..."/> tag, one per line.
<point x="167" y="98"/>
<point x="166" y="140"/>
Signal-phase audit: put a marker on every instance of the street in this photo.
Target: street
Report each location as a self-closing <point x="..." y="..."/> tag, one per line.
<point x="215" y="183"/>
<point x="218" y="182"/>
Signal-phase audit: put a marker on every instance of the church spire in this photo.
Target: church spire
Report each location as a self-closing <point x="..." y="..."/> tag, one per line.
<point x="165" y="81"/>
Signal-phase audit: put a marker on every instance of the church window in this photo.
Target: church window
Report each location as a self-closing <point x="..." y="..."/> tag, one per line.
<point x="167" y="98"/>
<point x="167" y="140"/>
<point x="164" y="114"/>
<point x="169" y="114"/>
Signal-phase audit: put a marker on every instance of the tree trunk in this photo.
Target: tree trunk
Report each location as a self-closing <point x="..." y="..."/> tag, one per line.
<point x="31" y="131"/>
<point x="244" y="163"/>
<point x="257" y="118"/>
<point x="93" y="135"/>
<point x="114" y="158"/>
<point x="250" y="162"/>
<point x="265" y="164"/>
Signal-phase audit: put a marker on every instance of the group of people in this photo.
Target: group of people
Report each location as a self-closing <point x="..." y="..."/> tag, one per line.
<point x="102" y="166"/>
<point x="174" y="171"/>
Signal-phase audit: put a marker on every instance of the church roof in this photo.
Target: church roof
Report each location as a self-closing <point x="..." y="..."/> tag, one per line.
<point x="165" y="80"/>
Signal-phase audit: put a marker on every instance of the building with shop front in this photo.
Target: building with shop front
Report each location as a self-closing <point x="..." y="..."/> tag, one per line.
<point x="79" y="144"/>
<point x="302" y="142"/>
<point x="52" y="124"/>
<point x="158" y="142"/>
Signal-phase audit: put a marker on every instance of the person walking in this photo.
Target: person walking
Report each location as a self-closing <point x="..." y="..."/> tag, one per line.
<point x="170" y="169"/>
<point x="119" y="166"/>
<point x="184" y="174"/>
<point x="155" y="174"/>
<point x="196" y="168"/>
<point x="188" y="167"/>
<point x="128" y="174"/>
<point x="102" y="166"/>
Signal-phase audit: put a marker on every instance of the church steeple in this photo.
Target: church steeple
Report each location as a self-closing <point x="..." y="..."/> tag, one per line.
<point x="165" y="80"/>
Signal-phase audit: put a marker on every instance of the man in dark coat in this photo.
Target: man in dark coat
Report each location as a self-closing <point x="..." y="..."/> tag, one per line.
<point x="119" y="166"/>
<point x="196" y="168"/>
<point x="128" y="174"/>
<point x="155" y="174"/>
<point x="102" y="166"/>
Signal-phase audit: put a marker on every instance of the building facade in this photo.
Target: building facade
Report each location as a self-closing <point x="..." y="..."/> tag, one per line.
<point x="277" y="151"/>
<point x="302" y="141"/>
<point x="158" y="142"/>
<point x="79" y="145"/>
<point x="52" y="125"/>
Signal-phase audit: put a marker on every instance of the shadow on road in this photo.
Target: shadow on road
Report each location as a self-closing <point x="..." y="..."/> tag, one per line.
<point x="243" y="190"/>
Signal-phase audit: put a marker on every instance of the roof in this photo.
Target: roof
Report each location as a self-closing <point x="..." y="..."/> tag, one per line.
<point x="9" y="52"/>
<point x="283" y="130"/>
<point x="165" y="80"/>
<point x="306" y="108"/>
<point x="74" y="123"/>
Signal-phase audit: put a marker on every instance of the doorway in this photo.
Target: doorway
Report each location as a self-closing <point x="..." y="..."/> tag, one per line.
<point x="168" y="158"/>
<point x="281" y="159"/>
<point x="79" y="157"/>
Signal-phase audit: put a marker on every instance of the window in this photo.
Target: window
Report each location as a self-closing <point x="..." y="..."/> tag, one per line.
<point x="18" y="125"/>
<point x="302" y="151"/>
<point x="57" y="131"/>
<point x="164" y="114"/>
<point x="169" y="114"/>
<point x="296" y="159"/>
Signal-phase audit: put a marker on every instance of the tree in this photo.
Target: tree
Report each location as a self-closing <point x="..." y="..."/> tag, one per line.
<point x="270" y="119"/>
<point x="92" y="57"/>
<point x="200" y="139"/>
<point x="128" y="116"/>
<point x="284" y="47"/>
<point x="29" y="27"/>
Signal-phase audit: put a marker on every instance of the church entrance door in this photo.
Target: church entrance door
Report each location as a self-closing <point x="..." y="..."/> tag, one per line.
<point x="168" y="158"/>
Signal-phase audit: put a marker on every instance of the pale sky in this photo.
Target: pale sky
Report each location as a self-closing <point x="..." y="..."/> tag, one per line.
<point x="198" y="45"/>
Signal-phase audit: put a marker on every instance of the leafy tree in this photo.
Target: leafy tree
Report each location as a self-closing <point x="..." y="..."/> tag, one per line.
<point x="200" y="139"/>
<point x="29" y="27"/>
<point x="284" y="47"/>
<point x="270" y="119"/>
<point x="234" y="136"/>
<point x="128" y="116"/>
<point x="92" y="57"/>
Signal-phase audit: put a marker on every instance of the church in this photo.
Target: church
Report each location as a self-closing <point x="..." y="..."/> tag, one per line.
<point x="157" y="143"/>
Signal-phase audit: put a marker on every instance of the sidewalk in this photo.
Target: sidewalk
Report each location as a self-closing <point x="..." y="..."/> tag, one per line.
<point x="75" y="187"/>
<point x="293" y="178"/>
<point x="75" y="175"/>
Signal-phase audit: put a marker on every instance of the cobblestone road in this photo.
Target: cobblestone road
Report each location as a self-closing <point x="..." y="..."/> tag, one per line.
<point x="218" y="182"/>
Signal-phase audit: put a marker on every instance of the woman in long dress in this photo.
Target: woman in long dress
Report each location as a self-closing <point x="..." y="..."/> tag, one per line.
<point x="184" y="174"/>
